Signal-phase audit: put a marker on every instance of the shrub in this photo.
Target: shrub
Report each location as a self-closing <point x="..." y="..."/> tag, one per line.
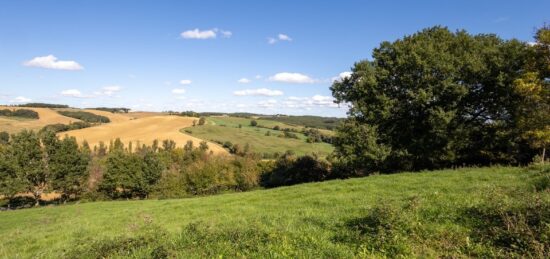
<point x="20" y="113"/>
<point x="85" y="116"/>
<point x="253" y="123"/>
<point x="289" y="170"/>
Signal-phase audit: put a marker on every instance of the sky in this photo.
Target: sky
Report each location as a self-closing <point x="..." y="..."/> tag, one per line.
<point x="269" y="57"/>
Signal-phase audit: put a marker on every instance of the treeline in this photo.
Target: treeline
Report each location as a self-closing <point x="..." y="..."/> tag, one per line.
<point x="59" y="127"/>
<point x="43" y="105"/>
<point x="112" y="110"/>
<point x="318" y="122"/>
<point x="20" y="113"/>
<point x="32" y="165"/>
<point x="85" y="116"/>
<point x="439" y="99"/>
<point x="207" y="114"/>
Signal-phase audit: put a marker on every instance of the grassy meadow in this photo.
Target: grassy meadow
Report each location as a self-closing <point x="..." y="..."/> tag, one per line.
<point x="481" y="212"/>
<point x="224" y="129"/>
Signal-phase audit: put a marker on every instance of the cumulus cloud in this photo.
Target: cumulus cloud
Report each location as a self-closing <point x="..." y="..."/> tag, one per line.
<point x="284" y="37"/>
<point x="342" y="76"/>
<point x="51" y="62"/>
<point x="197" y="34"/>
<point x="295" y="78"/>
<point x="280" y="37"/>
<point x="258" y="92"/>
<point x="244" y="80"/>
<point x="178" y="91"/>
<point x="185" y="82"/>
<point x="72" y="93"/>
<point x="309" y="102"/>
<point x="20" y="99"/>
<point x="110" y="90"/>
<point x="267" y="103"/>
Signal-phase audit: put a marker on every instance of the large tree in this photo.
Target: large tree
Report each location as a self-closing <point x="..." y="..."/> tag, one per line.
<point x="434" y="99"/>
<point x="29" y="163"/>
<point x="68" y="166"/>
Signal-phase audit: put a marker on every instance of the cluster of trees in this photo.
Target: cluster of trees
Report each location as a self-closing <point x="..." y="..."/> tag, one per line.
<point x="33" y="164"/>
<point x="21" y="113"/>
<point x="43" y="105"/>
<point x="439" y="99"/>
<point x="59" y="127"/>
<point x="85" y="116"/>
<point x="113" y="110"/>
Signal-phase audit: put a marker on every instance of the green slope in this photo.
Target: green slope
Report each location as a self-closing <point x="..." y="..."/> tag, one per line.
<point x="222" y="129"/>
<point x="411" y="214"/>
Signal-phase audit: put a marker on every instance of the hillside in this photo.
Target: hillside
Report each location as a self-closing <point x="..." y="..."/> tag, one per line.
<point x="238" y="131"/>
<point x="450" y="213"/>
<point x="144" y="131"/>
<point x="46" y="116"/>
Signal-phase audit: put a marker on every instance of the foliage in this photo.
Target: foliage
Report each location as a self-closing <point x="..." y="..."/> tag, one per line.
<point x="202" y="121"/>
<point x="253" y="123"/>
<point x="290" y="170"/>
<point x="20" y="113"/>
<point x="67" y="165"/>
<point x="43" y="105"/>
<point x="85" y="116"/>
<point x="436" y="99"/>
<point x="59" y="127"/>
<point x="112" y="110"/>
<point x="29" y="163"/>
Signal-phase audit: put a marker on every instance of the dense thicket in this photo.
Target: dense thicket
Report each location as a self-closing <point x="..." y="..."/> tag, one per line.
<point x="85" y="116"/>
<point x="32" y="164"/>
<point x="20" y="113"/>
<point x="438" y="99"/>
<point x="113" y="110"/>
<point x="44" y="105"/>
<point x="59" y="127"/>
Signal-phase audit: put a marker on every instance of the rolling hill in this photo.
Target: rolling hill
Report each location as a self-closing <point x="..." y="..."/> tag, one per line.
<point x="427" y="214"/>
<point x="144" y="131"/>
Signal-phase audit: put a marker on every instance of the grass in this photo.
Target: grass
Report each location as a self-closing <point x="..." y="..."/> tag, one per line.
<point x="227" y="129"/>
<point x="427" y="214"/>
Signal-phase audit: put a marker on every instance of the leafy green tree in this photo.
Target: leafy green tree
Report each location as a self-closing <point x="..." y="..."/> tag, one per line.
<point x="434" y="99"/>
<point x="168" y="145"/>
<point x="10" y="182"/>
<point x="253" y="123"/>
<point x="29" y="163"/>
<point x="68" y="167"/>
<point x="202" y="121"/>
<point x="4" y="138"/>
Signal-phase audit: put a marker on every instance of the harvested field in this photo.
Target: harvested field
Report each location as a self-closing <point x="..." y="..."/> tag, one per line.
<point x="144" y="131"/>
<point x="47" y="116"/>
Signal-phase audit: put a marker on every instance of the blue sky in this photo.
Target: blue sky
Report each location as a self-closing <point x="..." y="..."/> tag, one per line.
<point x="256" y="56"/>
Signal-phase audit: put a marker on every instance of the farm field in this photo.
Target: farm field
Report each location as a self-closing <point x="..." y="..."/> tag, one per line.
<point x="426" y="214"/>
<point x="144" y="131"/>
<point x="224" y="129"/>
<point x="46" y="116"/>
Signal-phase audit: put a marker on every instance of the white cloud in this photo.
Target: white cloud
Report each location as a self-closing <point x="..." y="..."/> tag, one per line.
<point x="197" y="34"/>
<point x="267" y="103"/>
<point x="226" y="34"/>
<point x="110" y="90"/>
<point x="258" y="92"/>
<point x="309" y="102"/>
<point x="284" y="37"/>
<point x="51" y="62"/>
<point x="185" y="82"/>
<point x="342" y="76"/>
<point x="20" y="99"/>
<point x="280" y="37"/>
<point x="295" y="78"/>
<point x="258" y="76"/>
<point x="178" y="91"/>
<point x="72" y="93"/>
<point x="244" y="80"/>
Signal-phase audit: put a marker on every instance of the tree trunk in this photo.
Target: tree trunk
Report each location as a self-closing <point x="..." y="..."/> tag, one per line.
<point x="543" y="154"/>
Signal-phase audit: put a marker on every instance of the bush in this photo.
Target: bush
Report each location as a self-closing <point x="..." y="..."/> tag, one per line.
<point x="289" y="170"/>
<point x="20" y="113"/>
<point x="253" y="123"/>
<point x="85" y="116"/>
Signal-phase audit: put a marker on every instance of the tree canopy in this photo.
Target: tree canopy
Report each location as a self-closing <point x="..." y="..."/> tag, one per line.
<point x="436" y="99"/>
